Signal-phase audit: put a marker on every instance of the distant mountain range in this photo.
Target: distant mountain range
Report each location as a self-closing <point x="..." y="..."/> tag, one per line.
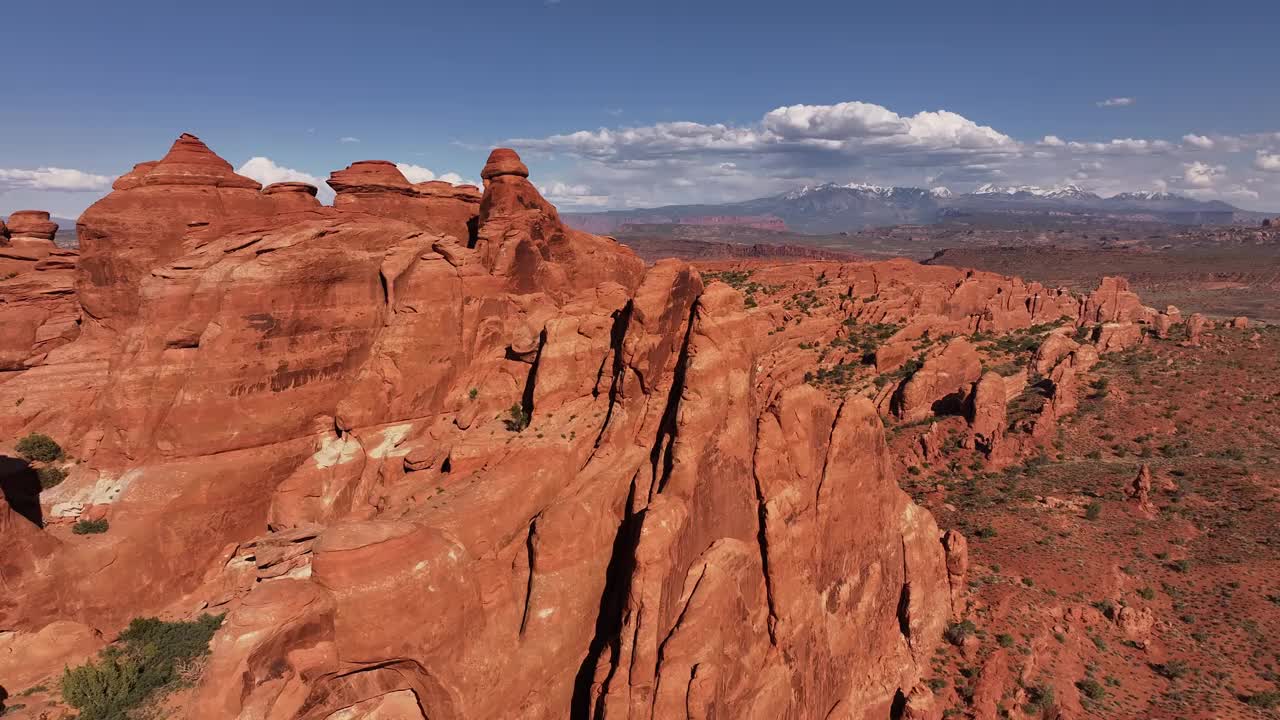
<point x="831" y="207"/>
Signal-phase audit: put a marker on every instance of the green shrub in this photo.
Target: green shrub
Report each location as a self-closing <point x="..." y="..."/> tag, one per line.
<point x="1107" y="608"/>
<point x="150" y="656"/>
<point x="1039" y="699"/>
<point x="1093" y="511"/>
<point x="41" y="448"/>
<point x="1266" y="700"/>
<point x="957" y="632"/>
<point x="1091" y="689"/>
<point x="90" y="527"/>
<point x="1172" y="670"/>
<point x="1005" y="640"/>
<point x="50" y="476"/>
<point x="518" y="420"/>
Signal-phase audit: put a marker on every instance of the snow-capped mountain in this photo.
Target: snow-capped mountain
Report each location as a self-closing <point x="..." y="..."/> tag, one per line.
<point x="1145" y="195"/>
<point x="1059" y="192"/>
<point x="835" y="207"/>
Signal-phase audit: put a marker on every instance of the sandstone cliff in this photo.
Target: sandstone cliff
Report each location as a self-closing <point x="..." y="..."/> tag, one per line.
<point x="438" y="455"/>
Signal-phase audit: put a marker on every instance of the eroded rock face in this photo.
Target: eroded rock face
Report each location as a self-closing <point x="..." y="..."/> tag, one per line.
<point x="379" y="188"/>
<point x="34" y="224"/>
<point x="1113" y="302"/>
<point x="942" y="383"/>
<point x="37" y="291"/>
<point x="495" y="472"/>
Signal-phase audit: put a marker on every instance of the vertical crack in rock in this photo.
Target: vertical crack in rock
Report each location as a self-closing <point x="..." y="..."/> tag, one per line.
<point x="675" y="627"/>
<point x="762" y="538"/>
<point x="904" y="600"/>
<point x="621" y="321"/>
<point x="528" y="593"/>
<point x="386" y="290"/>
<point x="688" y="691"/>
<point x="613" y="602"/>
<point x="526" y="400"/>
<point x="826" y="462"/>
<point x="664" y="443"/>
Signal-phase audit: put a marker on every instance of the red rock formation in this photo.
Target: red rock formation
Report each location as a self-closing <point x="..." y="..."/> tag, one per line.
<point x="1140" y="492"/>
<point x="957" y="550"/>
<point x="37" y="296"/>
<point x="291" y="196"/>
<point x="1196" y="325"/>
<point x="577" y="469"/>
<point x="142" y="225"/>
<point x="1113" y="301"/>
<point x="377" y="187"/>
<point x="32" y="224"/>
<point x="987" y="413"/>
<point x="1055" y="347"/>
<point x="1113" y="337"/>
<point x="945" y="378"/>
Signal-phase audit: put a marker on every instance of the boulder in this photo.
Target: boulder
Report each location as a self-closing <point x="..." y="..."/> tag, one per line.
<point x="1197" y="324"/>
<point x="1055" y="347"/>
<point x="1117" y="336"/>
<point x="31" y="224"/>
<point x="292" y="196"/>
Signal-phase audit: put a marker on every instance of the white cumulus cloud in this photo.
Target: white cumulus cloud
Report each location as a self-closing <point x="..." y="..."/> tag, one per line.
<point x="682" y="162"/>
<point x="1122" y="146"/>
<point x="417" y="174"/>
<point x="53" y="178"/>
<point x="266" y="171"/>
<point x="348" y="139"/>
<point x="1116" y="102"/>
<point x="1268" y="161"/>
<point x="1201" y="142"/>
<point x="568" y="194"/>
<point x="1202" y="175"/>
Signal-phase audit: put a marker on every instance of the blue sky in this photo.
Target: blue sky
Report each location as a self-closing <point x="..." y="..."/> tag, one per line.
<point x="670" y="101"/>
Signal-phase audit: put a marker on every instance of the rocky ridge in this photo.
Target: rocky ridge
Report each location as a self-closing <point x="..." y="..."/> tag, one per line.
<point x="612" y="490"/>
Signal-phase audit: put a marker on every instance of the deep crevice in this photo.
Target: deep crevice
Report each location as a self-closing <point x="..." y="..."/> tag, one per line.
<point x="904" y="599"/>
<point x="386" y="289"/>
<point x="662" y="646"/>
<point x="528" y="592"/>
<point x="613" y="602"/>
<point x="904" y="612"/>
<point x="473" y="232"/>
<point x="762" y="538"/>
<point x="621" y="321"/>
<point x="899" y="707"/>
<point x="664" y="444"/>
<point x="526" y="399"/>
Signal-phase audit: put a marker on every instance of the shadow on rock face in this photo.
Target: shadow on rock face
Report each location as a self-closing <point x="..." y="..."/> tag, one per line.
<point x="21" y="488"/>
